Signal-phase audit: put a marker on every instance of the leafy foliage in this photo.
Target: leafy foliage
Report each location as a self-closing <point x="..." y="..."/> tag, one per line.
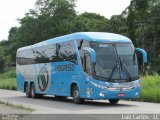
<point x="150" y="91"/>
<point x="140" y="21"/>
<point x="8" y="80"/>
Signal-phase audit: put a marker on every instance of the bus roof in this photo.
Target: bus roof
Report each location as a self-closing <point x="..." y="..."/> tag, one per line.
<point x="89" y="36"/>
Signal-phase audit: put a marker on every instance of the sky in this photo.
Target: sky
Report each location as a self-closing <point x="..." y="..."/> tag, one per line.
<point x="11" y="10"/>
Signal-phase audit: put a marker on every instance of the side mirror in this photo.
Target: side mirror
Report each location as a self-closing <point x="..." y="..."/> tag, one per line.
<point x="88" y="50"/>
<point x="142" y="57"/>
<point x="142" y="53"/>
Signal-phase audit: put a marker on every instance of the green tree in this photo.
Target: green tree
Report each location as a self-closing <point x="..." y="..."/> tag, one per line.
<point x="4" y="59"/>
<point x="89" y="22"/>
<point x="47" y="20"/>
<point x="118" y="24"/>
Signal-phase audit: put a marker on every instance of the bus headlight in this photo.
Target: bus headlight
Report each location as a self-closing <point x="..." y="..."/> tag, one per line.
<point x="136" y="93"/>
<point x="99" y="86"/>
<point x="101" y="94"/>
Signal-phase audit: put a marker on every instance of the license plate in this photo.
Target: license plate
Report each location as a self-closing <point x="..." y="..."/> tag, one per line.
<point x="121" y="95"/>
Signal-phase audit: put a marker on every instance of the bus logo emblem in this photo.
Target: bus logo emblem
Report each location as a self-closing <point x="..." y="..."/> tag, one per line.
<point x="43" y="79"/>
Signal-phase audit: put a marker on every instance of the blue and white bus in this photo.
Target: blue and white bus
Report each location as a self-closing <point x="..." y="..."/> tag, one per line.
<point x="83" y="65"/>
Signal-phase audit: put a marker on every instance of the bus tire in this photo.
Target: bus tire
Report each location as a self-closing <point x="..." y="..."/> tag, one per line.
<point x="33" y="91"/>
<point x="76" y="95"/>
<point x="27" y="90"/>
<point x="113" y="101"/>
<point x="39" y="95"/>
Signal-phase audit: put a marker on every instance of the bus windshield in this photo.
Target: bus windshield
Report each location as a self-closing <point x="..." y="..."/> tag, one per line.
<point x="115" y="61"/>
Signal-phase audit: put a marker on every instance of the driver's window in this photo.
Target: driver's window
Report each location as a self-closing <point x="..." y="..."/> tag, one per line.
<point x="83" y="63"/>
<point x="140" y="60"/>
<point x="88" y="64"/>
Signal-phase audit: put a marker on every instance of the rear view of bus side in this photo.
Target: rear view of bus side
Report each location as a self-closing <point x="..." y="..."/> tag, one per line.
<point x="84" y="65"/>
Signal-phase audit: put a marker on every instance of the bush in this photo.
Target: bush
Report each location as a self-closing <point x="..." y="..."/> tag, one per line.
<point x="150" y="88"/>
<point x="8" y="80"/>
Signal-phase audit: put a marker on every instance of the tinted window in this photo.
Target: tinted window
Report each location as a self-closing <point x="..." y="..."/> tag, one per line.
<point x="26" y="57"/>
<point x="67" y="52"/>
<point x="81" y="44"/>
<point x="48" y="53"/>
<point x="88" y="64"/>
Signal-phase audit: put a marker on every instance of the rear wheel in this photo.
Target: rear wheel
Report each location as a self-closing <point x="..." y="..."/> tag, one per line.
<point x="76" y="95"/>
<point x="113" y="101"/>
<point x="33" y="95"/>
<point x="27" y="90"/>
<point x="33" y="92"/>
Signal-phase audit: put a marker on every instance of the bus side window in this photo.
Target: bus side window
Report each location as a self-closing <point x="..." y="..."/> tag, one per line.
<point x="88" y="64"/>
<point x="140" y="60"/>
<point x="83" y="62"/>
<point x="67" y="52"/>
<point x="81" y="44"/>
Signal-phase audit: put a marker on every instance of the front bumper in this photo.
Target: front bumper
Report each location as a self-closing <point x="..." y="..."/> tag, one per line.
<point x="108" y="94"/>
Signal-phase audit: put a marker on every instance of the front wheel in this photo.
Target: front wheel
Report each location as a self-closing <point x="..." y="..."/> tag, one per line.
<point x="76" y="95"/>
<point x="113" y="101"/>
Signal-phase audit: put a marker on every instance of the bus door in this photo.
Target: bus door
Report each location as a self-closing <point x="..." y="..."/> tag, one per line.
<point x="88" y="66"/>
<point x="88" y="69"/>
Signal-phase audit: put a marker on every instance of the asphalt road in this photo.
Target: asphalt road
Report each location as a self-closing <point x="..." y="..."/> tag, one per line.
<point x="51" y="105"/>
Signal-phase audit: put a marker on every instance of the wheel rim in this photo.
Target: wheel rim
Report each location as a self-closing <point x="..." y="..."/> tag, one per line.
<point x="76" y="94"/>
<point x="32" y="92"/>
<point x="27" y="90"/>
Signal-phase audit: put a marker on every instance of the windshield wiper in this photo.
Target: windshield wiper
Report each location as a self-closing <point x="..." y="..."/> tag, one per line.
<point x="115" y="66"/>
<point x="111" y="74"/>
<point x="123" y="66"/>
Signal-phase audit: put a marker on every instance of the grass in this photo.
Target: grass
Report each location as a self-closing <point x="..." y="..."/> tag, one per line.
<point x="16" y="106"/>
<point x="150" y="88"/>
<point x="8" y="80"/>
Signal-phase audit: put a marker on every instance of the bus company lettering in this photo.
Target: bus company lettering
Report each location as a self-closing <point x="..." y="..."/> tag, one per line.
<point x="68" y="67"/>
